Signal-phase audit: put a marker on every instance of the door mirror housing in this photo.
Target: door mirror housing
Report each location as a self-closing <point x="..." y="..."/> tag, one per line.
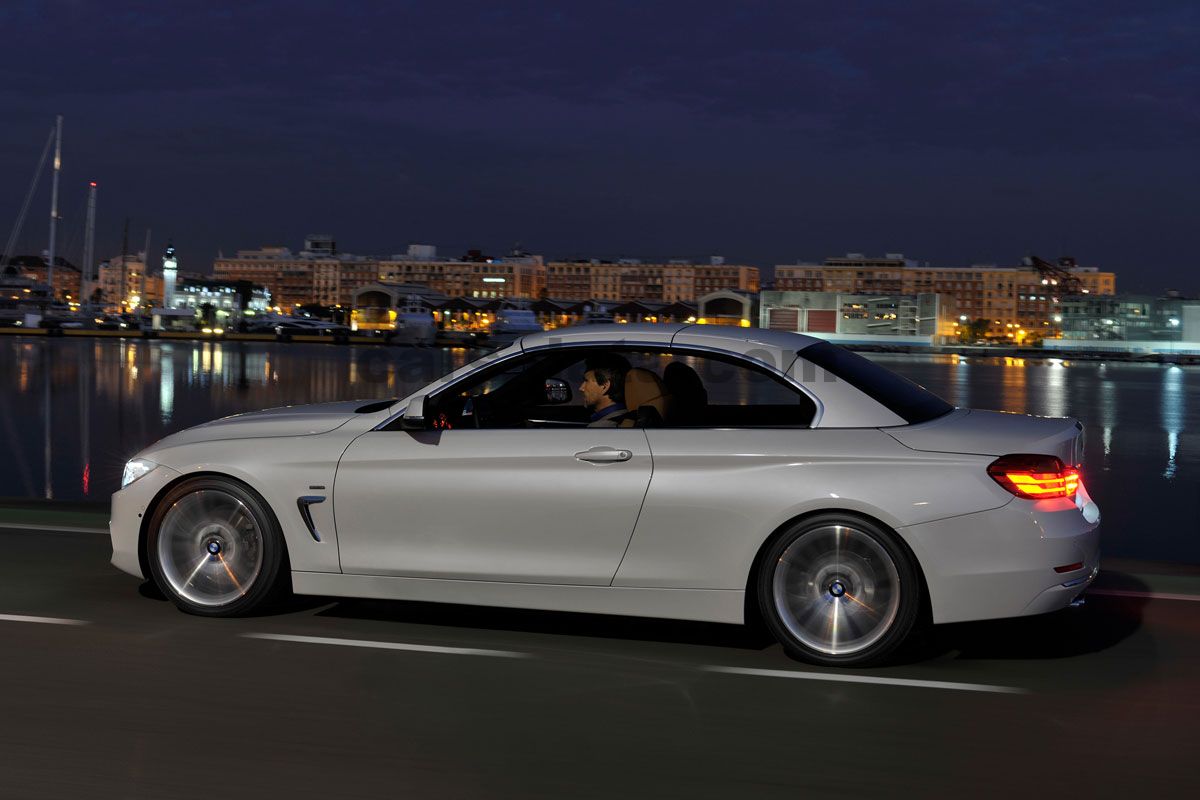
<point x="414" y="415"/>
<point x="557" y="391"/>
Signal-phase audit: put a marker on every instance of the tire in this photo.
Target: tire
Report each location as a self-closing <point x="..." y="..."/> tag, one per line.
<point x="215" y="548"/>
<point x="839" y="591"/>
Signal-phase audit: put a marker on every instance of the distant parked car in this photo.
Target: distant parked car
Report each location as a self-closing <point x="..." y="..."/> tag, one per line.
<point x="749" y="473"/>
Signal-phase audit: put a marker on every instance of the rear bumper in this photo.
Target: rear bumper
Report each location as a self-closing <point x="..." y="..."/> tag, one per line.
<point x="1001" y="563"/>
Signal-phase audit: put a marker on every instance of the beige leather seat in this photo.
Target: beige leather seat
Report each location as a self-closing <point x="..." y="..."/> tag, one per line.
<point x="645" y="397"/>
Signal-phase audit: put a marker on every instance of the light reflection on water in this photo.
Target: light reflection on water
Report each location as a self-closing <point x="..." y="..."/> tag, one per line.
<point x="110" y="398"/>
<point x="1142" y="462"/>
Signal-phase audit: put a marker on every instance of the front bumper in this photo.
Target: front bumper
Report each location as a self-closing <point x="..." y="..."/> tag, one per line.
<point x="129" y="505"/>
<point x="1001" y="563"/>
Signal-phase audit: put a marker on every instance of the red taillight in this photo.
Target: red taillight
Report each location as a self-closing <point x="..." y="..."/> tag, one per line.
<point x="1035" y="477"/>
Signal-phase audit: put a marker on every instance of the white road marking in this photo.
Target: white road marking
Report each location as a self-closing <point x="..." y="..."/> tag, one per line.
<point x="42" y="620"/>
<point x="417" y="648"/>
<point x="1195" y="598"/>
<point x="828" y="676"/>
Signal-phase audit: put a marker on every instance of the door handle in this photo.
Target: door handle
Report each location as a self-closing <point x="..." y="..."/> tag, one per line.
<point x="604" y="455"/>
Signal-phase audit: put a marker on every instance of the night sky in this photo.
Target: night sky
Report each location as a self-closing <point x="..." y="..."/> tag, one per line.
<point x="956" y="132"/>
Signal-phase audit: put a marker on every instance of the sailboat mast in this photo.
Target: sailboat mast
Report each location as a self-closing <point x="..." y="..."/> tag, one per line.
<point x="145" y="266"/>
<point x="89" y="248"/>
<point x="7" y="255"/>
<point x="54" y="201"/>
<point x="124" y="300"/>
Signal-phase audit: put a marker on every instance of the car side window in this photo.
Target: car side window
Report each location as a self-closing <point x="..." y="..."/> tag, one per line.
<point x="512" y="394"/>
<point x="665" y="388"/>
<point x="711" y="391"/>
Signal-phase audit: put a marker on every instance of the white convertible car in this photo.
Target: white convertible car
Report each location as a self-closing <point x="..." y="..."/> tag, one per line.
<point x="755" y="474"/>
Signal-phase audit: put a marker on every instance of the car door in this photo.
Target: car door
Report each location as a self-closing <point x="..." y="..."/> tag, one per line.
<point x="532" y="505"/>
<point x="730" y="456"/>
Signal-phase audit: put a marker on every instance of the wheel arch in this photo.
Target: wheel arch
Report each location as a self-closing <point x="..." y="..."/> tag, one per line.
<point x="752" y="613"/>
<point x="152" y="507"/>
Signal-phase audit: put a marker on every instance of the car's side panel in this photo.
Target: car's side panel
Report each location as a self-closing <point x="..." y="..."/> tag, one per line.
<point x="716" y="495"/>
<point x="282" y="470"/>
<point x="522" y="505"/>
<point x="1000" y="563"/>
<point x="702" y="605"/>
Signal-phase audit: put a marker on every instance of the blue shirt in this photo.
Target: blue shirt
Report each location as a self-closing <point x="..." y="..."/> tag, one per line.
<point x="607" y="411"/>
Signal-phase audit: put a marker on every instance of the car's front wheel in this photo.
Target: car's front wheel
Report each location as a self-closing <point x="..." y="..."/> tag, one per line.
<point x="215" y="548"/>
<point x="838" y="590"/>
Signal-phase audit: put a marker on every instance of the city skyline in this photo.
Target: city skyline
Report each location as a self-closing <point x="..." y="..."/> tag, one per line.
<point x="957" y="135"/>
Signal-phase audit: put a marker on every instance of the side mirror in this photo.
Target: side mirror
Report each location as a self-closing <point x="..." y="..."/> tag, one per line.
<point x="557" y="391"/>
<point x="414" y="415"/>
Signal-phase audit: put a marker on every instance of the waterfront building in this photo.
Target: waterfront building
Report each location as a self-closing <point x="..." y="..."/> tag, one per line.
<point x="717" y="275"/>
<point x="317" y="274"/>
<point x="1130" y="322"/>
<point x="628" y="280"/>
<point x="320" y="274"/>
<point x="123" y="283"/>
<point x="67" y="277"/>
<point x="221" y="303"/>
<point x="571" y="279"/>
<point x="560" y="313"/>
<point x="1009" y="298"/>
<point x="728" y="307"/>
<point x="652" y="311"/>
<point x="518" y="275"/>
<point x="378" y="305"/>
<point x="924" y="318"/>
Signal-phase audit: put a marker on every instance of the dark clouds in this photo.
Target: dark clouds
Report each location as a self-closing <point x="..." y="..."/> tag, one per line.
<point x="955" y="131"/>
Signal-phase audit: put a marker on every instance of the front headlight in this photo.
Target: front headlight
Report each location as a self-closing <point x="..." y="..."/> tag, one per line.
<point x="134" y="470"/>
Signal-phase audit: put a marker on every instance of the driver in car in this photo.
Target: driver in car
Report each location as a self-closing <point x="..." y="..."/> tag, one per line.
<point x="603" y="389"/>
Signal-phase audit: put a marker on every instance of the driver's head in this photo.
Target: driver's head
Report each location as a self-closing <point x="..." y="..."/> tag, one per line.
<point x="603" y="380"/>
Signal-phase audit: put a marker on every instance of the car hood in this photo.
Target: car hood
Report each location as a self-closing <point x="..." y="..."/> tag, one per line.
<point x="286" y="421"/>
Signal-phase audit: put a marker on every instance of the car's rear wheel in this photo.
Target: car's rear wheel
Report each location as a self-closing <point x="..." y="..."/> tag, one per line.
<point x="838" y="590"/>
<point x="215" y="548"/>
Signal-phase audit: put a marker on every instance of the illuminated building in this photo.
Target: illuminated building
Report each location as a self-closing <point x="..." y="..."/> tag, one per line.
<point x="517" y="275"/>
<point x="630" y="279"/>
<point x="120" y="282"/>
<point x="317" y="274"/>
<point x="1133" y="322"/>
<point x="221" y="303"/>
<point x="925" y="318"/>
<point x="1004" y="296"/>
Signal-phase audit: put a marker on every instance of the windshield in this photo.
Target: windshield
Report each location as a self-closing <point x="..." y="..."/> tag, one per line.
<point x="906" y="399"/>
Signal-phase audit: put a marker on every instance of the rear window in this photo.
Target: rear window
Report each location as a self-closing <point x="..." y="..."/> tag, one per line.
<point x="910" y="402"/>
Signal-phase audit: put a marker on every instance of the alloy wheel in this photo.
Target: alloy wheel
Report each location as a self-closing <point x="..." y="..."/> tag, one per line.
<point x="836" y="590"/>
<point x="210" y="547"/>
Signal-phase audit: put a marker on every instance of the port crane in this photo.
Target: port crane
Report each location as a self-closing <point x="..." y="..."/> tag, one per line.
<point x="1057" y="274"/>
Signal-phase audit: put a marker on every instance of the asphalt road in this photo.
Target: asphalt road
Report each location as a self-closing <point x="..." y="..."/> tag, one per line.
<point x="108" y="691"/>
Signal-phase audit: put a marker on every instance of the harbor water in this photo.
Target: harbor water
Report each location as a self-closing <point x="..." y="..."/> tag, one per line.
<point x="73" y="410"/>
